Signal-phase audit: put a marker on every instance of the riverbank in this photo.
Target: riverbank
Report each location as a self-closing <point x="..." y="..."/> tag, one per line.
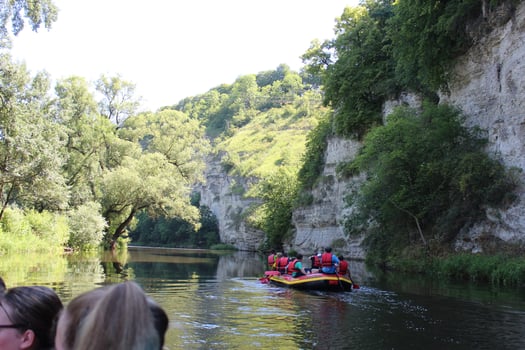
<point x="503" y="269"/>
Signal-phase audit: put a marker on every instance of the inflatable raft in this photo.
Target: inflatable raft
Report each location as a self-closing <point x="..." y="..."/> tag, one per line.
<point x="313" y="281"/>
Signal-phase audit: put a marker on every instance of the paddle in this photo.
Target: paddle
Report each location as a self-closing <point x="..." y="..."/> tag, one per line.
<point x="340" y="284"/>
<point x="272" y="273"/>
<point x="264" y="279"/>
<point x="267" y="275"/>
<point x="354" y="285"/>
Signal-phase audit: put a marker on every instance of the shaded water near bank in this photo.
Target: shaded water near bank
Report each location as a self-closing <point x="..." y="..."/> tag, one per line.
<point x="215" y="301"/>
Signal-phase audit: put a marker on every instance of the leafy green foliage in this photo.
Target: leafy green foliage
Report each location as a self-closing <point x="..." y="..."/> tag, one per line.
<point x="382" y="47"/>
<point x="118" y="98"/>
<point x="497" y="269"/>
<point x="31" y="143"/>
<point x="227" y="108"/>
<point x="36" y="12"/>
<point x="427" y="173"/>
<point x="278" y="191"/>
<point x="175" y="232"/>
<point x="357" y="67"/>
<point x="25" y="231"/>
<point x="313" y="159"/>
<point x="87" y="227"/>
<point x="428" y="35"/>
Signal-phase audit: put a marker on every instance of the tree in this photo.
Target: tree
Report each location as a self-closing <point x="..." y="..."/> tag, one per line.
<point x="91" y="139"/>
<point x="178" y="138"/>
<point x="427" y="36"/>
<point x="74" y="99"/>
<point x="317" y="58"/>
<point x="159" y="180"/>
<point x="278" y="191"/>
<point x="118" y="98"/>
<point x="31" y="142"/>
<point x="36" y="12"/>
<point x="362" y="77"/>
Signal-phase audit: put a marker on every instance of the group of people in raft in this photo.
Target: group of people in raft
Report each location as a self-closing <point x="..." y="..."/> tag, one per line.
<point x="321" y="262"/>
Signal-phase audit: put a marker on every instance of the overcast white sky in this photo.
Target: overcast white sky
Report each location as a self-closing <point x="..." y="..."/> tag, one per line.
<point x="172" y="49"/>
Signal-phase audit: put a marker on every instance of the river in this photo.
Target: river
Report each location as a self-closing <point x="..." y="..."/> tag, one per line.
<point x="215" y="301"/>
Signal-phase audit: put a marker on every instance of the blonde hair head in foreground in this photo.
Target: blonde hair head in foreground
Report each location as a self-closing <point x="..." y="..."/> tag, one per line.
<point x="116" y="317"/>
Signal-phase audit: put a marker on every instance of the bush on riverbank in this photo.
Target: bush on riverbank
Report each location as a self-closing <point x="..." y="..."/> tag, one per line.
<point x="504" y="269"/>
<point x="29" y="230"/>
<point x="496" y="269"/>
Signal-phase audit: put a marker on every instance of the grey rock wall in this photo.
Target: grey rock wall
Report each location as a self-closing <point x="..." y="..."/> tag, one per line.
<point x="321" y="223"/>
<point x="221" y="194"/>
<point x="489" y="86"/>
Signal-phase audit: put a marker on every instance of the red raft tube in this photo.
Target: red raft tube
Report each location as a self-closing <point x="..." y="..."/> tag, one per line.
<point x="313" y="281"/>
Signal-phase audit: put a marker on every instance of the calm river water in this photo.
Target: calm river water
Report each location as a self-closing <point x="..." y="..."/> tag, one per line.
<point x="215" y="301"/>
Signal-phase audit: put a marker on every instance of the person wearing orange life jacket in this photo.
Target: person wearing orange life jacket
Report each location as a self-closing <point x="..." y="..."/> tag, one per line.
<point x="295" y="267"/>
<point x="329" y="261"/>
<point x="343" y="266"/>
<point x="281" y="262"/>
<point x="271" y="260"/>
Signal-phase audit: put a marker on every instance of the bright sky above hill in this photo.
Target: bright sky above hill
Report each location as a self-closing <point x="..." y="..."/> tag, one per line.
<point x="172" y="49"/>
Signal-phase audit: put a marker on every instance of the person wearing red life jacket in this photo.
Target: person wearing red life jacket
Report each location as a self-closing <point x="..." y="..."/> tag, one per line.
<point x="271" y="260"/>
<point x="343" y="266"/>
<point x="295" y="267"/>
<point x="315" y="261"/>
<point x="281" y="262"/>
<point x="329" y="261"/>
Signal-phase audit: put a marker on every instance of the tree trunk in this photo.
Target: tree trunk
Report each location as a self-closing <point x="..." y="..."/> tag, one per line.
<point x="120" y="229"/>
<point x="417" y="222"/>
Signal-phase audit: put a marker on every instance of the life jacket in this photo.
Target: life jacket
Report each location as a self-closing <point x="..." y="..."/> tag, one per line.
<point x="281" y="263"/>
<point x="316" y="262"/>
<point x="343" y="267"/>
<point x="290" y="268"/>
<point x="326" y="260"/>
<point x="271" y="260"/>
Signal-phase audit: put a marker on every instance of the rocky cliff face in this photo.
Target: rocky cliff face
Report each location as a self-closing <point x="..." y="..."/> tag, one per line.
<point x="223" y="195"/>
<point x="321" y="224"/>
<point x="488" y="84"/>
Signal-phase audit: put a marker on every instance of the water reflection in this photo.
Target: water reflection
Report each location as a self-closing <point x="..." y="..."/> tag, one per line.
<point x="215" y="301"/>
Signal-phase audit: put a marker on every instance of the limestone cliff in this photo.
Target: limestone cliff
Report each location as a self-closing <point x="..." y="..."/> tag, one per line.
<point x="223" y="195"/>
<point x="488" y="84"/>
<point x="321" y="224"/>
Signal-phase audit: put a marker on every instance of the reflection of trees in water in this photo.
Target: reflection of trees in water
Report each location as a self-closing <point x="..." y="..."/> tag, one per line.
<point x="32" y="268"/>
<point x="173" y="264"/>
<point x="240" y="264"/>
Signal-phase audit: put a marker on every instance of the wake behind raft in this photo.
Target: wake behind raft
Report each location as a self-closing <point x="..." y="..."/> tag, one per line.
<point x="312" y="281"/>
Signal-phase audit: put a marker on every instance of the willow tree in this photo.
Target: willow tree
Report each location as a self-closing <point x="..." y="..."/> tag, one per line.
<point x="118" y="100"/>
<point x="158" y="179"/>
<point x="31" y="141"/>
<point x="15" y="13"/>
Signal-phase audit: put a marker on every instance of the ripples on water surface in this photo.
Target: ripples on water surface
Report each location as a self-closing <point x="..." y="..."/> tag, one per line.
<point x="217" y="302"/>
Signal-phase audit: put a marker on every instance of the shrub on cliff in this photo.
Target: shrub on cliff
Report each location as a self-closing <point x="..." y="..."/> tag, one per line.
<point x="428" y="176"/>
